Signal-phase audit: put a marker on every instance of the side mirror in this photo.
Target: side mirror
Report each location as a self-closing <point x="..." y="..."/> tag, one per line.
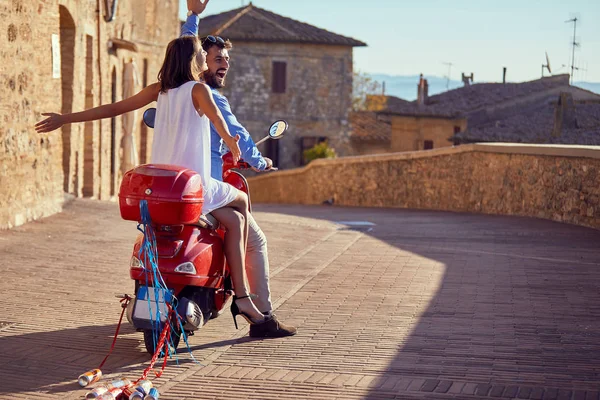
<point x="277" y="129"/>
<point x="149" y="116"/>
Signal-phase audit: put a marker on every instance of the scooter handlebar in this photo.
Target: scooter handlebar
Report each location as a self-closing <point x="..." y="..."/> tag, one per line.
<point x="241" y="164"/>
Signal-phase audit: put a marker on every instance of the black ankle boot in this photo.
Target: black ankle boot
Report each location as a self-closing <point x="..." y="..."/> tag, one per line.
<point x="272" y="328"/>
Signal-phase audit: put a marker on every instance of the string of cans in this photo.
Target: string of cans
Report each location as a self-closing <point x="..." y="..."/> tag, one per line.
<point x="142" y="389"/>
<point x="118" y="389"/>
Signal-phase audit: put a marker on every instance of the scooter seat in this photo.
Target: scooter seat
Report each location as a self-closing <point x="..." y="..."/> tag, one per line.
<point x="208" y="221"/>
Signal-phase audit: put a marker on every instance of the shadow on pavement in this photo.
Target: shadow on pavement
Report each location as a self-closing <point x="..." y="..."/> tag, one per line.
<point x="40" y="360"/>
<point x="59" y="356"/>
<point x="475" y="304"/>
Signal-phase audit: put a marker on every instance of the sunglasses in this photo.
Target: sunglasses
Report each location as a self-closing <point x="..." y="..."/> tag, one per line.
<point x="214" y="39"/>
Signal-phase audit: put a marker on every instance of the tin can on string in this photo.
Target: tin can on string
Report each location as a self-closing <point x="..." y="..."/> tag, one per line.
<point x="98" y="391"/>
<point x="119" y="383"/>
<point x="112" y="394"/>
<point x="137" y="396"/>
<point x="152" y="394"/>
<point x="143" y="387"/>
<point x="89" y="377"/>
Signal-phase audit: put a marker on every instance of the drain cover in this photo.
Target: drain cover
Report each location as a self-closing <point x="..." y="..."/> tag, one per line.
<point x="363" y="226"/>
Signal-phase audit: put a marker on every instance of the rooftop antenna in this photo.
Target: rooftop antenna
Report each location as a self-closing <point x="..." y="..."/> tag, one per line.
<point x="547" y="66"/>
<point x="573" y="44"/>
<point x="449" y="64"/>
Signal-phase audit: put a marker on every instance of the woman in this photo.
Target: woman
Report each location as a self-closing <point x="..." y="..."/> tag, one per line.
<point x="184" y="110"/>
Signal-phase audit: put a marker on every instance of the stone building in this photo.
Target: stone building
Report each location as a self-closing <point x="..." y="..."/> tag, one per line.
<point x="285" y="69"/>
<point x="546" y="110"/>
<point x="62" y="56"/>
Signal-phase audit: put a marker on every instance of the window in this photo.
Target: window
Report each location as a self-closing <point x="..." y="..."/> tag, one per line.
<point x="279" y="75"/>
<point x="455" y="140"/>
<point x="427" y="144"/>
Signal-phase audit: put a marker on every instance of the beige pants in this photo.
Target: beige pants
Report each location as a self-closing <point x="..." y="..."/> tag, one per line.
<point x="257" y="266"/>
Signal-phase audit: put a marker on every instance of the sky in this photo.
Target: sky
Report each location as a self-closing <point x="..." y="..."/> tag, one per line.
<point x="480" y="37"/>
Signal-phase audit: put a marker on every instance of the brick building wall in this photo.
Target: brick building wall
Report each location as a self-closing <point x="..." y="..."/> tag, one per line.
<point x="81" y="159"/>
<point x="316" y="100"/>
<point x="559" y="183"/>
<point x="413" y="133"/>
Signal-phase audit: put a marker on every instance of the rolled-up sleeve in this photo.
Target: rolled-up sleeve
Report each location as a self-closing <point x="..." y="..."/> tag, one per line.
<point x="250" y="152"/>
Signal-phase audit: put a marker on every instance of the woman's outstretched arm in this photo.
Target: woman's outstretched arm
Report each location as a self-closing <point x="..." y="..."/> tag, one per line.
<point x="204" y="102"/>
<point x="139" y="100"/>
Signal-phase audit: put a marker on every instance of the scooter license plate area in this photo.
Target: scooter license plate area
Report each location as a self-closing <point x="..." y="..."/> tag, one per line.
<point x="151" y="303"/>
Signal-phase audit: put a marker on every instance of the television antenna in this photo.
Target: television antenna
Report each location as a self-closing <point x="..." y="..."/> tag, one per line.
<point x="547" y="66"/>
<point x="449" y="64"/>
<point x="574" y="44"/>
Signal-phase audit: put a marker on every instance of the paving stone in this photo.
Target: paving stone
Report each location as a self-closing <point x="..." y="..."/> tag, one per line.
<point x="537" y="393"/>
<point x="429" y="385"/>
<point x="443" y="386"/>
<point x="564" y="394"/>
<point x="591" y="395"/>
<point x="482" y="389"/>
<point x="550" y="394"/>
<point x="579" y="395"/>
<point x="469" y="388"/>
<point x="524" y="392"/>
<point x="510" y="391"/>
<point x="456" y="387"/>
<point x="497" y="391"/>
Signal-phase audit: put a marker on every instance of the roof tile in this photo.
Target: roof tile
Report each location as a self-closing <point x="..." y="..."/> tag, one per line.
<point x="251" y="23"/>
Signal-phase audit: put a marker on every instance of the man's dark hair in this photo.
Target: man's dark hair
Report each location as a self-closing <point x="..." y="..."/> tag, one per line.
<point x="180" y="65"/>
<point x="218" y="41"/>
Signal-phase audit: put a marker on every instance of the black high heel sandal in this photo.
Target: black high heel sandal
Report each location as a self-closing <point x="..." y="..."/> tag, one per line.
<point x="235" y="311"/>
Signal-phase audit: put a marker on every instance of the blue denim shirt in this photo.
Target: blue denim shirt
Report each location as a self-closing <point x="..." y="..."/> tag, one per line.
<point x="250" y="152"/>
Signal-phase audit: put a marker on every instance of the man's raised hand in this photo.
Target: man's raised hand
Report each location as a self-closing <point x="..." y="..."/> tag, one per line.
<point x="197" y="6"/>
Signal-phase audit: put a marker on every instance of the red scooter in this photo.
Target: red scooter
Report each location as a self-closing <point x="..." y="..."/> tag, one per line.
<point x="189" y="245"/>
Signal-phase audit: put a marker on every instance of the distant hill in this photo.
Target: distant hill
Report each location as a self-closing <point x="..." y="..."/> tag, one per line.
<point x="405" y="86"/>
<point x="591" y="86"/>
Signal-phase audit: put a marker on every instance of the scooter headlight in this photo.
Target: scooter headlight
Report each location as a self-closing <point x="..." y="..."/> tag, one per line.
<point x="186" y="268"/>
<point x="136" y="263"/>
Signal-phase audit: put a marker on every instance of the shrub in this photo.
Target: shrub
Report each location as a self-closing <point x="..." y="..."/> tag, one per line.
<point x="319" y="150"/>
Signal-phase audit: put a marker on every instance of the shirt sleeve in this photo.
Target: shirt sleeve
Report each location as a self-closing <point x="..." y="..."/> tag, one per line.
<point x="250" y="152"/>
<point x="190" y="28"/>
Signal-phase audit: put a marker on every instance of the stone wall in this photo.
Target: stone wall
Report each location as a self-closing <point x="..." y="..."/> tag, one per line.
<point x="316" y="101"/>
<point x="560" y="183"/>
<point x="81" y="159"/>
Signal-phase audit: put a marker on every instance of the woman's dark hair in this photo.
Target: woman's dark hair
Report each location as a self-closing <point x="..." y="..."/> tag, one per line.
<point x="180" y="65"/>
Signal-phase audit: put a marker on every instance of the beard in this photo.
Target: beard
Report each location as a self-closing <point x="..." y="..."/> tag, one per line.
<point x="211" y="80"/>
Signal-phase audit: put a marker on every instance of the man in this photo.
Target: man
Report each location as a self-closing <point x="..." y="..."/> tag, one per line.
<point x="257" y="262"/>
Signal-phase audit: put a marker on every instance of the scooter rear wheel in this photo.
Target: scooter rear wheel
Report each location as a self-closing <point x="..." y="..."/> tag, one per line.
<point x="149" y="339"/>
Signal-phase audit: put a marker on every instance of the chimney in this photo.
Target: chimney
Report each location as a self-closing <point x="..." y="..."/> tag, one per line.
<point x="564" y="114"/>
<point x="467" y="79"/>
<point x="383" y="88"/>
<point x="422" y="91"/>
<point x="503" y="74"/>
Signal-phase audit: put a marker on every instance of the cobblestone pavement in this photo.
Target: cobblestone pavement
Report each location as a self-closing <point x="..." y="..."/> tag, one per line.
<point x="419" y="305"/>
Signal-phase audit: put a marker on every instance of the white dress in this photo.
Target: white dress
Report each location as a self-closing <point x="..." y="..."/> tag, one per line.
<point x="182" y="137"/>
